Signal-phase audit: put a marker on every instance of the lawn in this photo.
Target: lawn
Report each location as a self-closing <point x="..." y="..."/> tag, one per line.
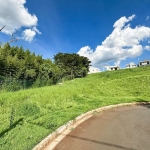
<point x="27" y="116"/>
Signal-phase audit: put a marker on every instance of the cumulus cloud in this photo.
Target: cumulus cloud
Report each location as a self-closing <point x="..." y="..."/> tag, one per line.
<point x="147" y="48"/>
<point x="122" y="43"/>
<point x="28" y="35"/>
<point x="14" y="15"/>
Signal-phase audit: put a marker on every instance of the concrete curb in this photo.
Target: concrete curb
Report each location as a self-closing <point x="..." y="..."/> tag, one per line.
<point x="55" y="137"/>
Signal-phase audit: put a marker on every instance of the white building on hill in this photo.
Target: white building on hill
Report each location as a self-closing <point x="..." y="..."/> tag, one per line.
<point x="144" y="63"/>
<point x="93" y="70"/>
<point x="131" y="65"/>
<point x="113" y="68"/>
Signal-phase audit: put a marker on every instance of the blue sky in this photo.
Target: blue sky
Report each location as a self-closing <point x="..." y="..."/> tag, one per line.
<point x="80" y="26"/>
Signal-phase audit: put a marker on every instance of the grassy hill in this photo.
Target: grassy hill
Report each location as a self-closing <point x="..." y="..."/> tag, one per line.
<point x="27" y="116"/>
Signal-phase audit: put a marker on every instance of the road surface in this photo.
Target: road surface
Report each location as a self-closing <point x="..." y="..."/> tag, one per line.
<point x="124" y="128"/>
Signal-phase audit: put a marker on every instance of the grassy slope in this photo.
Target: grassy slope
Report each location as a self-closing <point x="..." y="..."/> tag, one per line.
<point x="37" y="112"/>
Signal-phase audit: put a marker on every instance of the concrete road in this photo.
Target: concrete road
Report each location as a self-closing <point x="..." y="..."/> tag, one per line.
<point x="124" y="128"/>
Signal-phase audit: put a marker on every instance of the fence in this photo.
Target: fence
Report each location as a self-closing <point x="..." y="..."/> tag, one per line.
<point x="11" y="84"/>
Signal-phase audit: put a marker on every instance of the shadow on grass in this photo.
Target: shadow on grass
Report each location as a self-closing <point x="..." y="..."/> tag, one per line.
<point x="11" y="127"/>
<point x="102" y="143"/>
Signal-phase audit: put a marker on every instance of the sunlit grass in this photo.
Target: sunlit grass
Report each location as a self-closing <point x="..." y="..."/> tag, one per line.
<point x="39" y="111"/>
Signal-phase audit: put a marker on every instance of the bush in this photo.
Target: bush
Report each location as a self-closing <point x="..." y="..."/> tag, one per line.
<point x="10" y="85"/>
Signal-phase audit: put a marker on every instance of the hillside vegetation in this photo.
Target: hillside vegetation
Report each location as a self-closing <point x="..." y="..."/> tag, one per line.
<point x="27" y="116"/>
<point x="22" y="69"/>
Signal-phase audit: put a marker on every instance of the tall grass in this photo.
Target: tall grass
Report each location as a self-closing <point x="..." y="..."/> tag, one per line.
<point x="27" y="116"/>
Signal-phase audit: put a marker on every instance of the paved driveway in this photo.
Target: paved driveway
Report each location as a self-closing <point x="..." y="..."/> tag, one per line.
<point x="124" y="128"/>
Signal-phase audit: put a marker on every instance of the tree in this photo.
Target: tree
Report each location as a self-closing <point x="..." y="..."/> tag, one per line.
<point x="12" y="38"/>
<point x="73" y="64"/>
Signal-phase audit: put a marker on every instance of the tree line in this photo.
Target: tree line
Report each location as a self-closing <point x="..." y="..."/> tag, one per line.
<point x="20" y="66"/>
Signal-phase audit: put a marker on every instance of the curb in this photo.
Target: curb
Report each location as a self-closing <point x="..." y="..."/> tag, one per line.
<point x="55" y="137"/>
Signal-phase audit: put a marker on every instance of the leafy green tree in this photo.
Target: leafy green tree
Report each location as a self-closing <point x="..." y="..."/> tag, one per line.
<point x="73" y="64"/>
<point x="30" y="74"/>
<point x="46" y="71"/>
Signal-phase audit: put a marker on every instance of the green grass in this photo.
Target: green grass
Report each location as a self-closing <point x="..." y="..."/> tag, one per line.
<point x="27" y="116"/>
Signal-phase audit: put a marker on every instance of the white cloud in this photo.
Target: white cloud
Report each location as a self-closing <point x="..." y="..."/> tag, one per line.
<point x="117" y="63"/>
<point x="14" y="15"/>
<point x="147" y="17"/>
<point x="147" y="48"/>
<point x="122" y="43"/>
<point x="36" y="30"/>
<point x="28" y="35"/>
<point x="122" y="21"/>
